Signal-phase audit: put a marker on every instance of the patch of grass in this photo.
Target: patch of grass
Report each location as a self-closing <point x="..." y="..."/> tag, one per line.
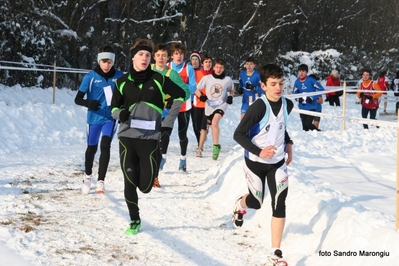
<point x="27" y="228"/>
<point x="8" y="222"/>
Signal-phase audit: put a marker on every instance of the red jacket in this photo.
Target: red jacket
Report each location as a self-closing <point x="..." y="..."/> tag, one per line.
<point x="383" y="83"/>
<point x="331" y="81"/>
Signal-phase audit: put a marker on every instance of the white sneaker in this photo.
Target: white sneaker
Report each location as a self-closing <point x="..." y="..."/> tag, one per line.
<point x="100" y="187"/>
<point x="198" y="153"/>
<point x="276" y="259"/>
<point x="86" y="184"/>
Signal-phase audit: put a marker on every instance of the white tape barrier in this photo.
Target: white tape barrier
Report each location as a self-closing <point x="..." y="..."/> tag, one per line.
<point x="335" y="89"/>
<point x="56" y="69"/>
<point x="351" y="119"/>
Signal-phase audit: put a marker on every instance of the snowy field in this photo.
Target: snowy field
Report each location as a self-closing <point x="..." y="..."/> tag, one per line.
<point x="340" y="205"/>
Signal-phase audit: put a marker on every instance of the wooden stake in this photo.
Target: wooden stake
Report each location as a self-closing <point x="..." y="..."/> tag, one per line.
<point x="397" y="177"/>
<point x="54" y="81"/>
<point x="344" y="106"/>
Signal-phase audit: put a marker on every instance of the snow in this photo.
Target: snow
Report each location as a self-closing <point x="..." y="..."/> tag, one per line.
<point x="341" y="198"/>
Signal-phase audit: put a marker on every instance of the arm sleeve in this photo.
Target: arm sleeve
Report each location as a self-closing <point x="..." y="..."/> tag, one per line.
<point x="79" y="99"/>
<point x="253" y="116"/>
<point x="173" y="89"/>
<point x="192" y="83"/>
<point x="377" y="88"/>
<point x="175" y="77"/>
<point x="116" y="102"/>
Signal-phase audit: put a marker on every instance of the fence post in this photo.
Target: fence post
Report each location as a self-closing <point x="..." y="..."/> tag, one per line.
<point x="344" y="106"/>
<point x="397" y="177"/>
<point x="54" y="81"/>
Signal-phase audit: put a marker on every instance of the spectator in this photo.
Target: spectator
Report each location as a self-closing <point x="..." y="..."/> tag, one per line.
<point x="333" y="80"/>
<point x="383" y="82"/>
<point x="396" y="90"/>
<point x="368" y="99"/>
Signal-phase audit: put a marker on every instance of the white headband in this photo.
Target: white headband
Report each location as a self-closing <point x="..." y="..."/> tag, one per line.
<point x="106" y="55"/>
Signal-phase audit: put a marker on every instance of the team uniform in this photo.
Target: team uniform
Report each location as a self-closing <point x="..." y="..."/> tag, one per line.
<point x="186" y="72"/>
<point x="265" y="125"/>
<point x="308" y="103"/>
<point x="250" y="87"/>
<point x="98" y="86"/>
<point x="143" y="95"/>
<point x="217" y="90"/>
<point x="199" y="119"/>
<point x="369" y="100"/>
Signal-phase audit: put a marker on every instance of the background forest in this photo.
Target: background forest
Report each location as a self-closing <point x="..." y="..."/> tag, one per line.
<point x="68" y="33"/>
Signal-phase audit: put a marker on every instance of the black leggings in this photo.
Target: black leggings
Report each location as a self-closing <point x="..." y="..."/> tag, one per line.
<point x="139" y="161"/>
<point x="334" y="99"/>
<point x="277" y="181"/>
<point x="183" y="120"/>
<point x="365" y="112"/>
<point x="307" y="121"/>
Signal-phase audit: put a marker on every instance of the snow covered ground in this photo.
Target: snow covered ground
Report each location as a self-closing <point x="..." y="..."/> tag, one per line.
<point x="340" y="206"/>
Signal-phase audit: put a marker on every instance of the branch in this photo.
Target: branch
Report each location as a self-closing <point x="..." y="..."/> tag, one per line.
<point x="210" y="25"/>
<point x="246" y="26"/>
<point x="146" y="20"/>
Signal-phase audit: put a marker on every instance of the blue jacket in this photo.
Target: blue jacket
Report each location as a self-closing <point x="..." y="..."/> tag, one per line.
<point x="308" y="85"/>
<point x="93" y="86"/>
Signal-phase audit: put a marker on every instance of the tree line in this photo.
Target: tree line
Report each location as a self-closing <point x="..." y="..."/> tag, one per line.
<point x="69" y="33"/>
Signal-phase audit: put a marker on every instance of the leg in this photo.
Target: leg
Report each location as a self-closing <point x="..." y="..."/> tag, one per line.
<point x="331" y="100"/>
<point x="165" y="139"/>
<point x="365" y="112"/>
<point x="105" y="148"/>
<point x="108" y="132"/>
<point x="302" y="116"/>
<point x="277" y="180"/>
<point x="183" y="121"/>
<point x="385" y="103"/>
<point x="337" y="102"/>
<point x="215" y="128"/>
<point x="129" y="164"/>
<point x="255" y="176"/>
<point x="277" y="227"/>
<point x="196" y="121"/>
<point x="307" y="122"/>
<point x="92" y="135"/>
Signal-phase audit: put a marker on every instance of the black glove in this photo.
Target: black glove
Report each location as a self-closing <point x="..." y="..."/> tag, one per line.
<point x="169" y="102"/>
<point x="250" y="87"/>
<point x="300" y="100"/>
<point x="361" y="95"/>
<point x="124" y="115"/>
<point x="240" y="90"/>
<point x="369" y="97"/>
<point x="309" y="100"/>
<point x="203" y="98"/>
<point x="93" y="105"/>
<point x="229" y="99"/>
<point x="326" y="100"/>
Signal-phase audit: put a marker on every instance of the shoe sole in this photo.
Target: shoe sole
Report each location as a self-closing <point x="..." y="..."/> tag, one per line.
<point x="280" y="263"/>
